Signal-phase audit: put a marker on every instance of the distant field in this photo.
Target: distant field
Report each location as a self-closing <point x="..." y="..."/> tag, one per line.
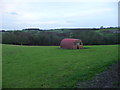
<point x="52" y="67"/>
<point x="107" y="29"/>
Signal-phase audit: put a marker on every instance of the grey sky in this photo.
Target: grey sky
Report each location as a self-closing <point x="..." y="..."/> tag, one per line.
<point x="19" y="14"/>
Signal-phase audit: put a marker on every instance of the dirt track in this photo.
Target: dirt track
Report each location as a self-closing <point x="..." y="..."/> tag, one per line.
<point x="107" y="79"/>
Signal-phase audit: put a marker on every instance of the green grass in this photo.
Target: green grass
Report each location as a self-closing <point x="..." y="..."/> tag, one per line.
<point x="0" y="66"/>
<point x="112" y="29"/>
<point x="52" y="67"/>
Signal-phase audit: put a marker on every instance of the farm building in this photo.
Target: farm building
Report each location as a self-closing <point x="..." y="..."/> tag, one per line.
<point x="69" y="43"/>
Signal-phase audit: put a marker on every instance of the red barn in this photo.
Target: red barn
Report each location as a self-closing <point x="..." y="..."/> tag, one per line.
<point x="70" y="43"/>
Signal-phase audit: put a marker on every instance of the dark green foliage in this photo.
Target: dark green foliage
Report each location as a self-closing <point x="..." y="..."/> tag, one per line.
<point x="54" y="37"/>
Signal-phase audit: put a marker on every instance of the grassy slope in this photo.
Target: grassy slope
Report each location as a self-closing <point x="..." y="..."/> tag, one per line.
<point x="50" y="66"/>
<point x="0" y="66"/>
<point x="112" y="29"/>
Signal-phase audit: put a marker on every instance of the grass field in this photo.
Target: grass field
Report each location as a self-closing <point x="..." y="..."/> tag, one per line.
<point x="52" y="67"/>
<point x="112" y="29"/>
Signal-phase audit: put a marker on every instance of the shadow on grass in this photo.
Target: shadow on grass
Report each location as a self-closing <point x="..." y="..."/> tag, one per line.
<point x="73" y="49"/>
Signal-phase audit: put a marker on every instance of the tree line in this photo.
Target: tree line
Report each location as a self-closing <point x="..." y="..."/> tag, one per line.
<point x="54" y="37"/>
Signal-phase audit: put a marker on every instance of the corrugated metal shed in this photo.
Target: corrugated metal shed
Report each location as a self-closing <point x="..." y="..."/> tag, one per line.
<point x="70" y="43"/>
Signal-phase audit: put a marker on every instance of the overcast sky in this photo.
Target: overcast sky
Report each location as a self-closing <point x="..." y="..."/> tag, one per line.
<point x="46" y="14"/>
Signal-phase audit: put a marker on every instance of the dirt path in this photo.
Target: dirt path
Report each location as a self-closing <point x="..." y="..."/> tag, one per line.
<point x="107" y="79"/>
